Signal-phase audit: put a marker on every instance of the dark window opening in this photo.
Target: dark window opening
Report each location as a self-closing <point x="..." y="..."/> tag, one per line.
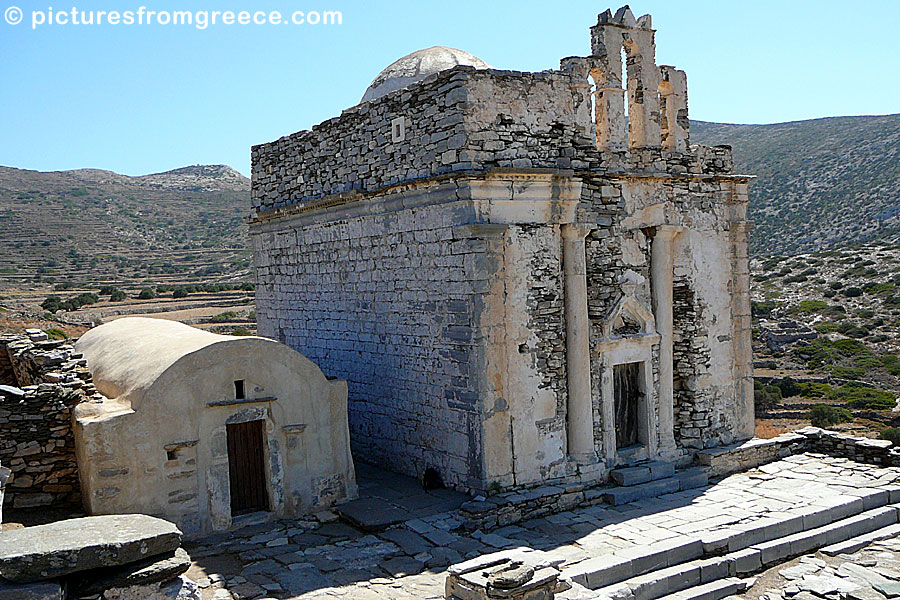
<point x="239" y="389"/>
<point x="171" y="454"/>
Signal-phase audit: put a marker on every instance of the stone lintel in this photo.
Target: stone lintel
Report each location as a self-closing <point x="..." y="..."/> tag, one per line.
<point x="182" y="444"/>
<point x="648" y="339"/>
<point x="232" y="401"/>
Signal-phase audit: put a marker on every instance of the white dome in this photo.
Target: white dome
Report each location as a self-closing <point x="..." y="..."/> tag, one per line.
<point x="417" y="66"/>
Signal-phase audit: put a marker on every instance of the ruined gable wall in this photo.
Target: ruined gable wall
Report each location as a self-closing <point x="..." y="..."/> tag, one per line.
<point x="388" y="299"/>
<point x="357" y="151"/>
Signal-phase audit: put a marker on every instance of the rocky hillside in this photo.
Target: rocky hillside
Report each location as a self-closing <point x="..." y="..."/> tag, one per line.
<point x="825" y="331"/>
<point x="74" y="225"/>
<point x="822" y="183"/>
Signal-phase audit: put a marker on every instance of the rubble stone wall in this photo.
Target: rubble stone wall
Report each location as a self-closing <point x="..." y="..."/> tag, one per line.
<point x="36" y="438"/>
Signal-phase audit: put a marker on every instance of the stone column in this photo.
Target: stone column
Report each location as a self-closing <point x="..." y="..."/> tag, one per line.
<point x="580" y="414"/>
<point x="661" y="273"/>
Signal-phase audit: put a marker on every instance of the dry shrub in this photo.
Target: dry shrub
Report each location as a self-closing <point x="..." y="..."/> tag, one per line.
<point x="767" y="430"/>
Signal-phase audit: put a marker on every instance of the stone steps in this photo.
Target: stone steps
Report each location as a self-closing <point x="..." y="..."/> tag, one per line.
<point x="632" y="490"/>
<point x="651" y="471"/>
<point x="856" y="543"/>
<point x="665" y="569"/>
<point x="715" y="590"/>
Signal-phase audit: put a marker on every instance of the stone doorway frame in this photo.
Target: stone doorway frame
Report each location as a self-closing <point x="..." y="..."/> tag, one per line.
<point x="612" y="350"/>
<point x="218" y="480"/>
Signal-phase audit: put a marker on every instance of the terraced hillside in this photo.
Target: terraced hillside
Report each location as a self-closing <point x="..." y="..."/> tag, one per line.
<point x="826" y="333"/>
<point x="88" y="224"/>
<point x="822" y="183"/>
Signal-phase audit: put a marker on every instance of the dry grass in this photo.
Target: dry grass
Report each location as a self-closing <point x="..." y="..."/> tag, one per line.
<point x="767" y="430"/>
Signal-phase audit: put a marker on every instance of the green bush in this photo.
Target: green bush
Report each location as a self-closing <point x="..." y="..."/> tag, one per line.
<point x="147" y="294"/>
<point x="813" y="389"/>
<point x="789" y="387"/>
<point x="224" y="317"/>
<point x="56" y="334"/>
<point x="826" y="327"/>
<point x="862" y="397"/>
<point x="891" y="363"/>
<point x="241" y="331"/>
<point x="846" y="372"/>
<point x="795" y="279"/>
<point x="55" y="303"/>
<point x="763" y="309"/>
<point x="892" y="434"/>
<point x="852" y="292"/>
<point x="824" y="415"/>
<point x="766" y="396"/>
<point x="810" y="306"/>
<point x="117" y="296"/>
<point x="180" y="292"/>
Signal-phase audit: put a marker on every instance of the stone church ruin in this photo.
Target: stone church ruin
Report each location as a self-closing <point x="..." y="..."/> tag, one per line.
<point x="520" y="283"/>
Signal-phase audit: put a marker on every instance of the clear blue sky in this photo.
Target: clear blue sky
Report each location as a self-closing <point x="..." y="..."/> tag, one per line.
<point x="141" y="99"/>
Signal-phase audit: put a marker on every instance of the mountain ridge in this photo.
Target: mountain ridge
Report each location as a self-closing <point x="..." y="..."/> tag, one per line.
<point x="821" y="183"/>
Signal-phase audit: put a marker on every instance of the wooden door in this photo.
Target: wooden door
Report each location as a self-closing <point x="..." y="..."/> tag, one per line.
<point x="627" y="391"/>
<point x="247" y="467"/>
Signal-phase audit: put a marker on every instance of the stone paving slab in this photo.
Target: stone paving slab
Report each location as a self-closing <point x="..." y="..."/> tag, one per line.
<point x="869" y="573"/>
<point x="64" y="547"/>
<point x="800" y="491"/>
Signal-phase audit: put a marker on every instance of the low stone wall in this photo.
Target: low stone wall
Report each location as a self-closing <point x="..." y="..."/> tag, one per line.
<point x="44" y="381"/>
<point x="512" y="507"/>
<point x="756" y="452"/>
<point x="509" y="508"/>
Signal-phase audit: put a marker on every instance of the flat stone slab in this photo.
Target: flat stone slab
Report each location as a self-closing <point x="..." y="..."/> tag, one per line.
<point x="66" y="547"/>
<point x="152" y="570"/>
<point x="372" y="514"/>
<point x="177" y="589"/>
<point x="45" y="590"/>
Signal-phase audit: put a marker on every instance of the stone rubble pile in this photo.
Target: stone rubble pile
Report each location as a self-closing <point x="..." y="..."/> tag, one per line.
<point x="115" y="557"/>
<point x="41" y="380"/>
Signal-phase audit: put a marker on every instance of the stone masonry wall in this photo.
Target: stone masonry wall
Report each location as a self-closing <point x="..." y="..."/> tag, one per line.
<point x="388" y="302"/>
<point x="36" y="439"/>
<point x="687" y="354"/>
<point x="358" y="151"/>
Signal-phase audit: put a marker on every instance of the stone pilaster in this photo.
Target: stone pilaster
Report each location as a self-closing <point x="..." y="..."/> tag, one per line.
<point x="580" y="422"/>
<point x="661" y="274"/>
